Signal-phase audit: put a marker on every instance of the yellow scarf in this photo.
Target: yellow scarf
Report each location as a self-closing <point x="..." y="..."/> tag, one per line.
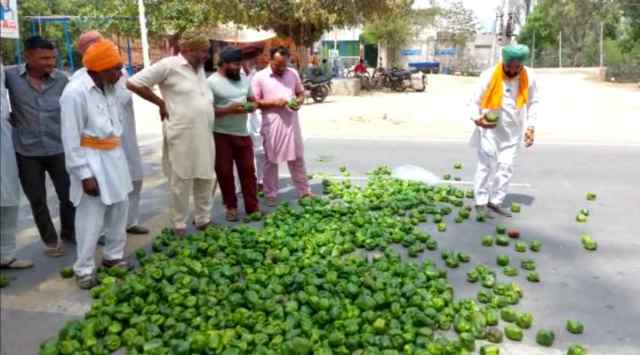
<point x="492" y="99"/>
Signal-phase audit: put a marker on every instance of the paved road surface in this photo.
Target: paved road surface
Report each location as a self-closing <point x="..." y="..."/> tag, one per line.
<point x="601" y="289"/>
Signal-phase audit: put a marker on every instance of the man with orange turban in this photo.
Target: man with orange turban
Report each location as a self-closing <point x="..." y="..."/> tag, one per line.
<point x="92" y="126"/>
<point x="504" y="109"/>
<point x="129" y="136"/>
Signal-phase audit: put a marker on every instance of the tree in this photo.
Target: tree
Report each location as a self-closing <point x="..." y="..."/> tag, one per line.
<point x="460" y="22"/>
<point x="398" y="27"/>
<point x="579" y="21"/>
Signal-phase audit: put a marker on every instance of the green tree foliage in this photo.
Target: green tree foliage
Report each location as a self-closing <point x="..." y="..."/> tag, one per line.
<point x="396" y="28"/>
<point x="579" y="21"/>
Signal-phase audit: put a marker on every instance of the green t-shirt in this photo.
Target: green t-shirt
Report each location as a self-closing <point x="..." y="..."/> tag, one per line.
<point x="226" y="92"/>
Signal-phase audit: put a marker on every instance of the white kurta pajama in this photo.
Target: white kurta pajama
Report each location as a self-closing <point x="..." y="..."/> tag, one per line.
<point x="498" y="147"/>
<point x="89" y="111"/>
<point x="129" y="144"/>
<point x="188" y="150"/>
<point x="9" y="182"/>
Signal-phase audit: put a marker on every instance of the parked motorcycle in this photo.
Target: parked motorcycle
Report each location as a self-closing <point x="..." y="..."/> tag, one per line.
<point x="402" y="79"/>
<point x="318" y="88"/>
<point x="398" y="80"/>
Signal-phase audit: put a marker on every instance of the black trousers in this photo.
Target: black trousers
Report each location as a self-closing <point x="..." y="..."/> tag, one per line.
<point x="31" y="171"/>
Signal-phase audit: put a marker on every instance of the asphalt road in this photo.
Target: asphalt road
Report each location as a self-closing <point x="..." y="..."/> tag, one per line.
<point x="600" y="289"/>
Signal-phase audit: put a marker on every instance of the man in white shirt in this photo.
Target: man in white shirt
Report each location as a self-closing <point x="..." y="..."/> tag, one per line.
<point x="9" y="187"/>
<point x="129" y="136"/>
<point x="254" y="123"/>
<point x="504" y="108"/>
<point x="186" y="109"/>
<point x="100" y="182"/>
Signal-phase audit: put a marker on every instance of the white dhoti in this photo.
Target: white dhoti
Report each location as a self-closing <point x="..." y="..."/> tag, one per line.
<point x="92" y="217"/>
<point x="9" y="217"/>
<point x="133" y="218"/>
<point x="498" y="147"/>
<point x="494" y="172"/>
<point x="180" y="192"/>
<point x="9" y="181"/>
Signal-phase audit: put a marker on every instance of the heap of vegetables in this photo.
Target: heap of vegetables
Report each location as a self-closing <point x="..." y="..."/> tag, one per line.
<point x="324" y="278"/>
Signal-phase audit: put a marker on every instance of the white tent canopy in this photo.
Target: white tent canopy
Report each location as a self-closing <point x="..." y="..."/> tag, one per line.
<point x="239" y="34"/>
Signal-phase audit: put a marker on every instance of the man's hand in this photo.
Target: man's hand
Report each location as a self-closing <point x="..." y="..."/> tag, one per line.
<point x="13" y="120"/>
<point x="529" y="137"/>
<point x="482" y="122"/>
<point x="164" y="114"/>
<point x="280" y="103"/>
<point x="237" y="108"/>
<point x="90" y="187"/>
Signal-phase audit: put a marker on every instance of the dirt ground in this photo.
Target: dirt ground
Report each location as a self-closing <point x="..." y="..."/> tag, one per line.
<point x="574" y="109"/>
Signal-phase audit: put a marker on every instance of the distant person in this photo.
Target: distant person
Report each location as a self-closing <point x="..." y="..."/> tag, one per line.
<point x="279" y="92"/>
<point x="509" y="93"/>
<point x="186" y="110"/>
<point x="92" y="127"/>
<point x="35" y="89"/>
<point x="9" y="188"/>
<point x="360" y="68"/>
<point x="129" y="135"/>
<point x="326" y="67"/>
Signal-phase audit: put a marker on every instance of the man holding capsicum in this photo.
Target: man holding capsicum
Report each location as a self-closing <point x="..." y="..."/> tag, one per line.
<point x="233" y="100"/>
<point x="504" y="109"/>
<point x="280" y="94"/>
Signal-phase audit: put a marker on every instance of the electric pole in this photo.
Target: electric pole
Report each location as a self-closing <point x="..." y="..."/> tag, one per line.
<point x="143" y="34"/>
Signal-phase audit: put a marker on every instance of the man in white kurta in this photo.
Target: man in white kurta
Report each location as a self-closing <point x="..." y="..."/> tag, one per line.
<point x="497" y="143"/>
<point x="9" y="187"/>
<point x="129" y="136"/>
<point x="186" y="108"/>
<point x="92" y="127"/>
<point x="254" y="123"/>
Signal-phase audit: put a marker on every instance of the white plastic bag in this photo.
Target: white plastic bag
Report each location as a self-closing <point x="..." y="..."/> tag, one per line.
<point x="415" y="173"/>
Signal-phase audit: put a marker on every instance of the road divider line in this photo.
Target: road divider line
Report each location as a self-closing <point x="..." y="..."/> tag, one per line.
<point x="463" y="140"/>
<point x="366" y="178"/>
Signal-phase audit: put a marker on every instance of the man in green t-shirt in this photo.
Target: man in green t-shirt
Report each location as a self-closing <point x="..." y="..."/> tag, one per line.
<point x="233" y="100"/>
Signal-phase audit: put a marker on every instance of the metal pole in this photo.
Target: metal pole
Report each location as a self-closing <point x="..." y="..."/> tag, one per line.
<point x="560" y="51"/>
<point x="143" y="34"/>
<point x="533" y="51"/>
<point x="67" y="42"/>
<point x="601" y="44"/>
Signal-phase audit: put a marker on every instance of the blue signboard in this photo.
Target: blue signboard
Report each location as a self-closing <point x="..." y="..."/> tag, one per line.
<point x="446" y="52"/>
<point x="409" y="52"/>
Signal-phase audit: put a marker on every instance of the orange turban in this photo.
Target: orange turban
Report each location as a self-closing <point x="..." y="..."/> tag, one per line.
<point x="101" y="56"/>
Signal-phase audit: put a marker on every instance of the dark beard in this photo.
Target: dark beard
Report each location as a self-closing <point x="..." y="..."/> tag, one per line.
<point x="233" y="76"/>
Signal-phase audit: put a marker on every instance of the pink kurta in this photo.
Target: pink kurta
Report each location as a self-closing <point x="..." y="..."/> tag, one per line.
<point x="280" y="126"/>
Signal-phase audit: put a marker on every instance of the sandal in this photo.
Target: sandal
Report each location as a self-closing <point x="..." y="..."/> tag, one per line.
<point x="87" y="282"/>
<point x="272" y="201"/>
<point x="54" y="252"/>
<point x="16" y="264"/>
<point x="205" y="226"/>
<point x="120" y="263"/>
<point x="232" y="216"/>
<point x="307" y="195"/>
<point x="180" y="232"/>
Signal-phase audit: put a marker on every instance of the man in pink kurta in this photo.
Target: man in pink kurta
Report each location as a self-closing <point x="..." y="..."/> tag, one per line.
<point x="280" y="93"/>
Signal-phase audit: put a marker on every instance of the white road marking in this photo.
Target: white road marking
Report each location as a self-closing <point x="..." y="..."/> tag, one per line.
<point x="460" y="140"/>
<point x="365" y="178"/>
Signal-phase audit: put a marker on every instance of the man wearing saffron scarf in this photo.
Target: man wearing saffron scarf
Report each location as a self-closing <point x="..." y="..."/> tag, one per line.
<point x="504" y="109"/>
<point x="92" y="127"/>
